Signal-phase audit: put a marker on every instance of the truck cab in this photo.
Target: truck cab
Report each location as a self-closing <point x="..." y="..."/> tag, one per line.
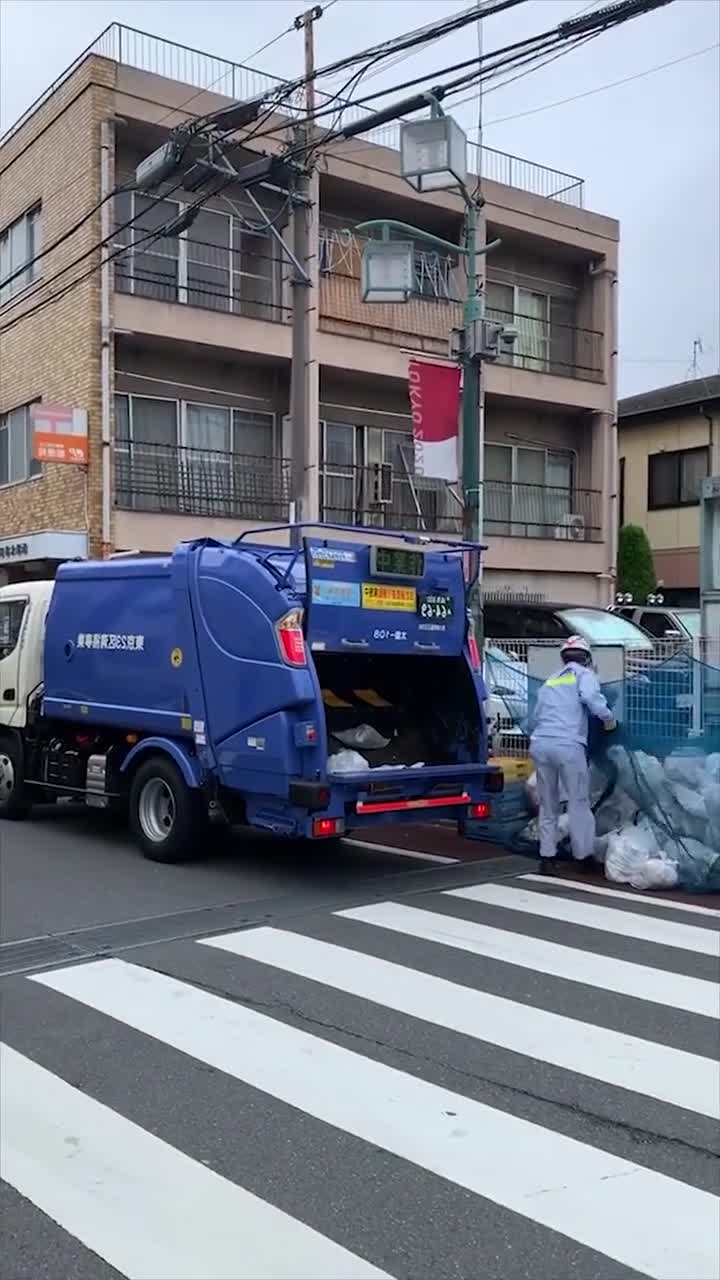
<point x="309" y="691"/>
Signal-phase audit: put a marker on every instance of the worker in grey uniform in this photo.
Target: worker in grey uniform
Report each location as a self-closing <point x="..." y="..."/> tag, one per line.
<point x="558" y="746"/>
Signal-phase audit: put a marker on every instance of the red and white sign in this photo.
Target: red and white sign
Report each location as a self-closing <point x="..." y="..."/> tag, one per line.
<point x="60" y="433"/>
<point x="434" y="406"/>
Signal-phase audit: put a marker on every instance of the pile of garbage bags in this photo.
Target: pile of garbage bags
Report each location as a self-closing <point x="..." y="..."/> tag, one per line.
<point x="349" y="760"/>
<point x="657" y="821"/>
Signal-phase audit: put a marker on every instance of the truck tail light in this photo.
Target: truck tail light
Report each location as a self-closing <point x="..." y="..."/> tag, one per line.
<point x="291" y="639"/>
<point x="473" y="651"/>
<point x="480" y="810"/>
<point x="324" y="827"/>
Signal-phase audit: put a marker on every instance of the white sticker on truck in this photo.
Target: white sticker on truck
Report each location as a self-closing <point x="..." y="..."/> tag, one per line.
<point x="85" y="640"/>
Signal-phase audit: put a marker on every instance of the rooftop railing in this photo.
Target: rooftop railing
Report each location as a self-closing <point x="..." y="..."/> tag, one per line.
<point x="207" y="73"/>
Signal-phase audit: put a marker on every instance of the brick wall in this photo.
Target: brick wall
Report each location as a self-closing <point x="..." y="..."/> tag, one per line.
<point x="53" y="354"/>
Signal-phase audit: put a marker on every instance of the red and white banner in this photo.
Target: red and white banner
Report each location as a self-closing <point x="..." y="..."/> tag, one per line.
<point x="434" y="406"/>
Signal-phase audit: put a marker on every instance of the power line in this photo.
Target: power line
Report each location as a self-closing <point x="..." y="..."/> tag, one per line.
<point x="566" y="31"/>
<point x="613" y="84"/>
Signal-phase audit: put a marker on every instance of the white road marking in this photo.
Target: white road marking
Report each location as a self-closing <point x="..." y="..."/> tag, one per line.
<point x="676" y="990"/>
<point x="625" y="1061"/>
<point x="149" y="1210"/>
<point x="657" y="899"/>
<point x="667" y="933"/>
<point x="587" y="1194"/>
<point x="400" y="853"/>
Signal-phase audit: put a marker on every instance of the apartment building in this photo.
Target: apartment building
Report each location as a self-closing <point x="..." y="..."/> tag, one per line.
<point x="669" y="441"/>
<point x="179" y="353"/>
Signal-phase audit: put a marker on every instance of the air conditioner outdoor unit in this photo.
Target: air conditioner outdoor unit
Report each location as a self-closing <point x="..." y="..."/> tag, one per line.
<point x="571" y="528"/>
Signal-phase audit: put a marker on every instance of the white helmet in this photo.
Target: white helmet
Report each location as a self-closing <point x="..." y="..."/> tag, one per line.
<point x="576" y="649"/>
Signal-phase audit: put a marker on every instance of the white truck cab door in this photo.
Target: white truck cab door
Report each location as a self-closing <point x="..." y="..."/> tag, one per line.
<point x="13" y="612"/>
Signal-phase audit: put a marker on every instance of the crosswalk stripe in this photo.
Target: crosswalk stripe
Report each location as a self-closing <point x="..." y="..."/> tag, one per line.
<point x="667" y="933"/>
<point x="623" y="977"/>
<point x="586" y="1194"/>
<point x="670" y="1075"/>
<point x="657" y="900"/>
<point x="399" y="853"/>
<point x="149" y="1210"/>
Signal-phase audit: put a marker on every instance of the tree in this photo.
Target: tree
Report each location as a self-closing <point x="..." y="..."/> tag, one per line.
<point x="635" y="570"/>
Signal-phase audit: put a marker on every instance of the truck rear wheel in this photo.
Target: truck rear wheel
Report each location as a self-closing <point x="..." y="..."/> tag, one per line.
<point x="165" y="814"/>
<point x="14" y="802"/>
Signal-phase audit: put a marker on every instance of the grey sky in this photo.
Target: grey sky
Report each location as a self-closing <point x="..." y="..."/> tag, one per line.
<point x="649" y="150"/>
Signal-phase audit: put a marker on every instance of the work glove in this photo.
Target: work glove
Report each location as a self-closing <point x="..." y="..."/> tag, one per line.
<point x="610" y="726"/>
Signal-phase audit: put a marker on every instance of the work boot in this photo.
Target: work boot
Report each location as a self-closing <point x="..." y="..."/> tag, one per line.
<point x="549" y="867"/>
<point x="586" y="866"/>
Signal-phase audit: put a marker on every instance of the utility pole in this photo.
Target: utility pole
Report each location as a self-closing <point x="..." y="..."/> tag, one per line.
<point x="304" y="377"/>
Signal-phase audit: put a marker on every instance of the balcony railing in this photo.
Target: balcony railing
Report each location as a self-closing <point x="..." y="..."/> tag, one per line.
<point x="203" y="71"/>
<point x="547" y="345"/>
<point x="220" y="263"/>
<point x="349" y="495"/>
<point x="542" y="511"/>
<point x="200" y="482"/>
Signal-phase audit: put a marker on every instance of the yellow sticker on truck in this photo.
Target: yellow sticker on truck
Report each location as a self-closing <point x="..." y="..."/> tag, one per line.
<point x="378" y="595"/>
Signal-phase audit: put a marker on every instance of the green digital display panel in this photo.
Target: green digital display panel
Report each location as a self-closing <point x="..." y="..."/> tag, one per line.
<point x="396" y="562"/>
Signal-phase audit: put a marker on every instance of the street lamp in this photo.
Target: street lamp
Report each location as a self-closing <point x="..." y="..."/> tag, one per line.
<point x="432" y="156"/>
<point x="388" y="270"/>
<point x="433" y="153"/>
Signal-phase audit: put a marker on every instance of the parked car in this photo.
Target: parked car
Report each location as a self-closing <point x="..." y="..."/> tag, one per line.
<point x="659" y="693"/>
<point x="506" y="682"/>
<point x="662" y="621"/>
<point x="518" y="621"/>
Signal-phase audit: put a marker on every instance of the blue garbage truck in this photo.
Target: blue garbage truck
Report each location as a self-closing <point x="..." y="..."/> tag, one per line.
<point x="310" y="690"/>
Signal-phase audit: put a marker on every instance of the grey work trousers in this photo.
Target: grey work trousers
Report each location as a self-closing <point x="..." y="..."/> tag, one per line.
<point x="565" y="764"/>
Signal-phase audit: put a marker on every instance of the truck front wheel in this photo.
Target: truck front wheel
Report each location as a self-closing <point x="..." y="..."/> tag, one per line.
<point x="165" y="814"/>
<point x="14" y="803"/>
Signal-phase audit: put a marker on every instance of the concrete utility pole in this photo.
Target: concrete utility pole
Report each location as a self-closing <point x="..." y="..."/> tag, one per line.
<point x="304" y="377"/>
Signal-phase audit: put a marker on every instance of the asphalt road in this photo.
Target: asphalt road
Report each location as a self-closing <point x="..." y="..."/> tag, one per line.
<point x="350" y="1067"/>
<point x="72" y="869"/>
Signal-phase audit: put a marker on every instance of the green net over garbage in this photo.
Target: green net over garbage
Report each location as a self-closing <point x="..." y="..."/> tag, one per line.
<point x="655" y="782"/>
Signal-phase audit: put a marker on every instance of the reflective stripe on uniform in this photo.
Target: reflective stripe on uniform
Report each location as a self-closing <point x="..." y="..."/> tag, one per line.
<point x="556" y="680"/>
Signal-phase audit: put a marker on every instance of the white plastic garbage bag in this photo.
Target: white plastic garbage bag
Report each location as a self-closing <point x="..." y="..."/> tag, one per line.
<point x="363" y="738"/>
<point x="689" y="771"/>
<point x="347" y="762"/>
<point x="628" y="850"/>
<point x="691" y="801"/>
<point x="656" y="873"/>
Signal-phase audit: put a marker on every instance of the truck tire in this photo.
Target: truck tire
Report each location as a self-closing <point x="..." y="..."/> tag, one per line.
<point x="14" y="801"/>
<point x="166" y="815"/>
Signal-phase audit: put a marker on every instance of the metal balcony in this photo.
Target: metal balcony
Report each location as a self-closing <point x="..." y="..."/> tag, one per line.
<point x="200" y="482"/>
<point x="542" y="511"/>
<point x="350" y="495"/>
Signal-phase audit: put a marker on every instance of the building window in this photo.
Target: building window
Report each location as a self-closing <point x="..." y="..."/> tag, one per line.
<point x="621" y="495"/>
<point x="19" y="247"/>
<point x="196" y="459"/>
<point x="546" y="330"/>
<point x="675" y="479"/>
<point x="355" y="491"/>
<point x="16" y="460"/>
<point x="529" y="492"/>
<point x="223" y="262"/>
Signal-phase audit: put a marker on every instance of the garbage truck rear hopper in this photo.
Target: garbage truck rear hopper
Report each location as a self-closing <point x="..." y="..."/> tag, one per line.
<point x="309" y="692"/>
